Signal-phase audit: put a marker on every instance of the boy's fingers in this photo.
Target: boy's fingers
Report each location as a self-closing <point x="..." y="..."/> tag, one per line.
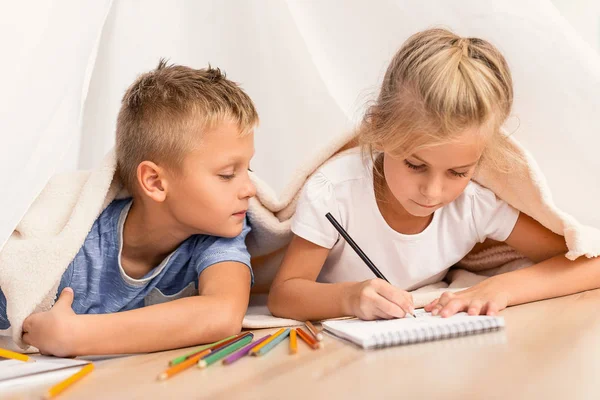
<point x="66" y="298"/>
<point x="25" y="338"/>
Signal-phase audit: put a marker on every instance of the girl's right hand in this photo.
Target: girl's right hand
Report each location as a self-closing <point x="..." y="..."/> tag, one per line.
<point x="377" y="299"/>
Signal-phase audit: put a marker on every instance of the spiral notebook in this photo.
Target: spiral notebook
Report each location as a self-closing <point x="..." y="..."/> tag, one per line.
<point x="422" y="328"/>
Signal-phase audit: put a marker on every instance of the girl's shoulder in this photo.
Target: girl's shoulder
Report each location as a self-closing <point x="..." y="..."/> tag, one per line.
<point x="347" y="166"/>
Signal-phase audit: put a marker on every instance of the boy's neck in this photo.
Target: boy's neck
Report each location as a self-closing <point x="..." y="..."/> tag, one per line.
<point x="149" y="236"/>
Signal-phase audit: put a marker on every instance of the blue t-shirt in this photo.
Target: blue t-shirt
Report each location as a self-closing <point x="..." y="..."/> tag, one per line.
<point x="101" y="285"/>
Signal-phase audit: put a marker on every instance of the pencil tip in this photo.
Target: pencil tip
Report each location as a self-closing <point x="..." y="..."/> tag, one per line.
<point x="162" y="377"/>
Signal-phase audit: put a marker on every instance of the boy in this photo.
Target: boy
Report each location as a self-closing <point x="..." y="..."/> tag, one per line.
<point x="184" y="144"/>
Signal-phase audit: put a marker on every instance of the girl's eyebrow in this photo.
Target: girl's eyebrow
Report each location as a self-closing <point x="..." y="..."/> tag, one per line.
<point x="462" y="166"/>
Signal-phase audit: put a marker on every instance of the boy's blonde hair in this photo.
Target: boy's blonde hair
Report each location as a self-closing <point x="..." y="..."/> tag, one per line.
<point x="436" y="86"/>
<point x="165" y="111"/>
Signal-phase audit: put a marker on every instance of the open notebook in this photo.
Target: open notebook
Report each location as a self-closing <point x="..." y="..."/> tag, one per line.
<point x="423" y="328"/>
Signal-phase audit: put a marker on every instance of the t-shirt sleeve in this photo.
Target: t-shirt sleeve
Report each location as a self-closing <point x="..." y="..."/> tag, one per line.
<point x="309" y="221"/>
<point x="493" y="217"/>
<point x="226" y="249"/>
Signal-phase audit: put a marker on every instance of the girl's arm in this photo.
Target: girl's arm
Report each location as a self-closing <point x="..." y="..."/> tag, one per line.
<point x="553" y="275"/>
<point x="296" y="294"/>
<point x="218" y="312"/>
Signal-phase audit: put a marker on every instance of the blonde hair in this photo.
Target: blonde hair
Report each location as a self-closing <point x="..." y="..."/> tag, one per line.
<point x="165" y="111"/>
<point x="437" y="85"/>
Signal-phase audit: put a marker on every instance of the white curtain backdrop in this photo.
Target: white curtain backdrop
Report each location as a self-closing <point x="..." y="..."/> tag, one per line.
<point x="310" y="67"/>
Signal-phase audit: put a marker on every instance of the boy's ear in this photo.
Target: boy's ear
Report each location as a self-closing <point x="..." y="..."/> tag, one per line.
<point x="152" y="181"/>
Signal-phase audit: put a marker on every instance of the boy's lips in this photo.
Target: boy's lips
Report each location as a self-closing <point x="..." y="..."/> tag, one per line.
<point x="240" y="213"/>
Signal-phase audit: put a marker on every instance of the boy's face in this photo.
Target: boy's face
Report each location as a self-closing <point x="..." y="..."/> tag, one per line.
<point x="210" y="196"/>
<point x="433" y="177"/>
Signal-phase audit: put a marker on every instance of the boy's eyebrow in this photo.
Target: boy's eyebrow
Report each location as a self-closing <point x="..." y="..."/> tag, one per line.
<point x="462" y="166"/>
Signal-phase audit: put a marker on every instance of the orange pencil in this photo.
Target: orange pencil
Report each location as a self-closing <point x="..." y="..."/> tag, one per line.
<point x="169" y="372"/>
<point x="61" y="386"/>
<point x="309" y="340"/>
<point x="318" y="335"/>
<point x="293" y="342"/>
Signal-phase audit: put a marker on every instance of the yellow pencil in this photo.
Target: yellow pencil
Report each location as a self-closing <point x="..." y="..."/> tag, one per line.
<point x="15" y="356"/>
<point x="293" y="342"/>
<point x="61" y="386"/>
<point x="266" y="342"/>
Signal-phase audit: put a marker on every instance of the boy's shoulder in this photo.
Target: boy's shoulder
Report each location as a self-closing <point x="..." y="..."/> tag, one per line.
<point x="108" y="220"/>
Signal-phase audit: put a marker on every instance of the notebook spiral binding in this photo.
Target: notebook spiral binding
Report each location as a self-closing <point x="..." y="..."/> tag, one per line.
<point x="429" y="333"/>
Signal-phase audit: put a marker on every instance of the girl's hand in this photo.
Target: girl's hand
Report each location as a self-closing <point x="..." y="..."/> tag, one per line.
<point x="377" y="299"/>
<point x="481" y="299"/>
<point x="53" y="332"/>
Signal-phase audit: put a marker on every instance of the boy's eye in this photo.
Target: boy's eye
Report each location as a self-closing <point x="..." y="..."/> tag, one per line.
<point x="413" y="166"/>
<point x="458" y="174"/>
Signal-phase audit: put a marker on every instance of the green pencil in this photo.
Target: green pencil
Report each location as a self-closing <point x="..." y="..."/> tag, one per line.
<point x="181" y="359"/>
<point x="273" y="343"/>
<point x="224" y="352"/>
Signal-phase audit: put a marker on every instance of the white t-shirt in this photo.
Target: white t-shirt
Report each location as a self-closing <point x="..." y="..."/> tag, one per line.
<point x="344" y="187"/>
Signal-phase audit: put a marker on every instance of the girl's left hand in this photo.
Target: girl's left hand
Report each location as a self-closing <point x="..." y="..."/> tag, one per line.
<point x="483" y="298"/>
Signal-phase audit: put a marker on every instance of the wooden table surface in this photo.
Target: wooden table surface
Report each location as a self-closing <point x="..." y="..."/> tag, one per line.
<point x="549" y="350"/>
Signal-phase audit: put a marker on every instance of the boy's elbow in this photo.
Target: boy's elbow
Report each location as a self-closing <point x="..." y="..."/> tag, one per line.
<point x="228" y="322"/>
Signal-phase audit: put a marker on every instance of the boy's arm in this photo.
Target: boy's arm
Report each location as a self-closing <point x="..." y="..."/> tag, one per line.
<point x="218" y="312"/>
<point x="552" y="276"/>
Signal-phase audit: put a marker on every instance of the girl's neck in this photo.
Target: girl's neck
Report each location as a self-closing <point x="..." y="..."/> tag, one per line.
<point x="394" y="213"/>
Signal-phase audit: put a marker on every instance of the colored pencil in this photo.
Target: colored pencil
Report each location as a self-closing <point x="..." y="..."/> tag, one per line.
<point x="357" y="249"/>
<point x="293" y="342"/>
<point x="318" y="335"/>
<point x="225" y="351"/>
<point x="260" y="346"/>
<point x="62" y="386"/>
<point x="269" y="346"/>
<point x="242" y="352"/>
<point x="15" y="356"/>
<point x="174" y="370"/>
<point x="308" y="339"/>
<point x="181" y="359"/>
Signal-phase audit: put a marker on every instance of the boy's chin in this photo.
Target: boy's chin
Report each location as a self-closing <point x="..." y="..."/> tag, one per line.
<point x="228" y="231"/>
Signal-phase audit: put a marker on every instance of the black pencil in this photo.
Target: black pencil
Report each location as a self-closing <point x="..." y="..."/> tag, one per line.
<point x="357" y="249"/>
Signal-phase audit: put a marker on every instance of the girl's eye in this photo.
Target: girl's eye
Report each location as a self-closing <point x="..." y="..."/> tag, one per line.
<point x="227" y="177"/>
<point x="459" y="174"/>
<point x="413" y="166"/>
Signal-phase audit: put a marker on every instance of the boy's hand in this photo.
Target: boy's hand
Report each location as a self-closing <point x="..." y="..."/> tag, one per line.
<point x="53" y="332"/>
<point x="481" y="299"/>
<point x="377" y="299"/>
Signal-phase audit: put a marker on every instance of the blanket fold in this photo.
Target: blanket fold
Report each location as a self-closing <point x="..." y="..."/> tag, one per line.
<point x="53" y="230"/>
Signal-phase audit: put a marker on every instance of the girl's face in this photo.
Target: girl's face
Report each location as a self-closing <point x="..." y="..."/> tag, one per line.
<point x="433" y="177"/>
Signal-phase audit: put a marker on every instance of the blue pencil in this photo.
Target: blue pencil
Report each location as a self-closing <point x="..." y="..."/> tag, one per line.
<point x="273" y="343"/>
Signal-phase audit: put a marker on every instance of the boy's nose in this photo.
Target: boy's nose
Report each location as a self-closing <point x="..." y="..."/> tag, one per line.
<point x="248" y="190"/>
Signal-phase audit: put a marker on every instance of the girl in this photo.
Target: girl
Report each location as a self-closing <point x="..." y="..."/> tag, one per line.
<point x="408" y="200"/>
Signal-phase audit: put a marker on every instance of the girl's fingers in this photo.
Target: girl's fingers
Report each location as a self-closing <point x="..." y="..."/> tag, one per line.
<point x="452" y="307"/>
<point x="492" y="308"/>
<point x="475" y="307"/>
<point x="430" y="306"/>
